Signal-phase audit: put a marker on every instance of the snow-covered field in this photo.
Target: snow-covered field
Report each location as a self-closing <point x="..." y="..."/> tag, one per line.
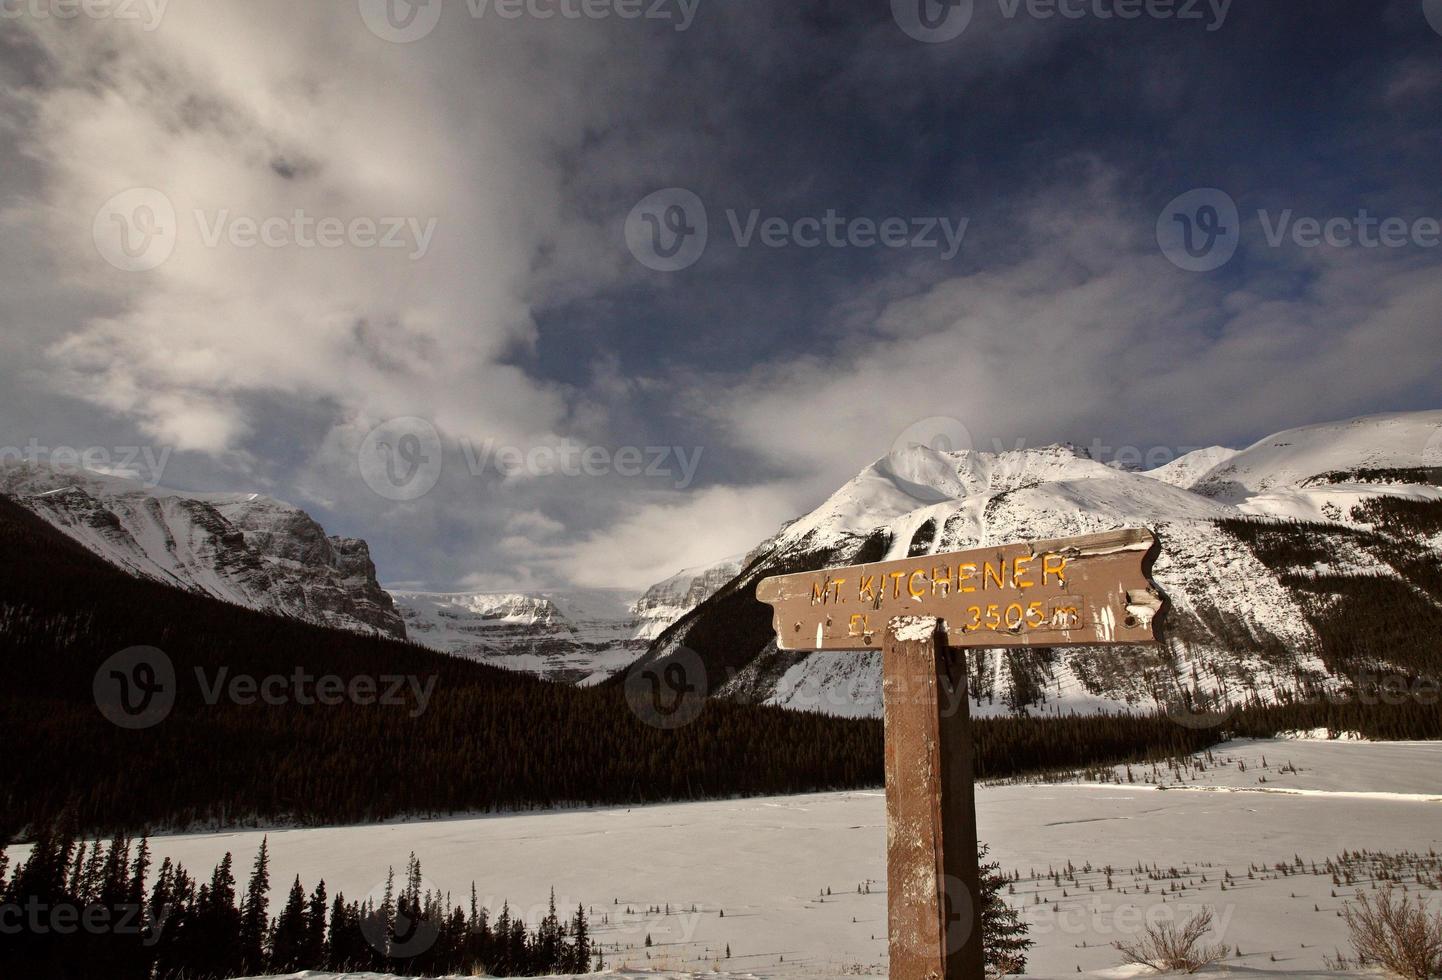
<point x="768" y="863"/>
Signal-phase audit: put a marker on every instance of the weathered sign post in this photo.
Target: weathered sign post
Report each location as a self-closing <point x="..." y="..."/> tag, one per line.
<point x="923" y="613"/>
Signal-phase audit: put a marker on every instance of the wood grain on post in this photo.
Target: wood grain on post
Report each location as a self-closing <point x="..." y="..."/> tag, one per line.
<point x="933" y="882"/>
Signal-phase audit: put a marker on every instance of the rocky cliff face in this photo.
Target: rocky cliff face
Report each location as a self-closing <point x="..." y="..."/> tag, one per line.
<point x="244" y="548"/>
<point x="665" y="602"/>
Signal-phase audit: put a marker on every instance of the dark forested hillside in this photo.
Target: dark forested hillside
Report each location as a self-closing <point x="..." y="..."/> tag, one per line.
<point x="486" y="738"/>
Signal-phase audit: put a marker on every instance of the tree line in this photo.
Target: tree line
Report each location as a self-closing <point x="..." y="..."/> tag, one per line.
<point x="78" y="911"/>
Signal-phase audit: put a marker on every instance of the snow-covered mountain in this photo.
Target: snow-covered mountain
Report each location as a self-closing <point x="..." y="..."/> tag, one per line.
<point x="580" y="635"/>
<point x="576" y="635"/>
<point x="1257" y="608"/>
<point x="244" y="548"/>
<point x="665" y="602"/>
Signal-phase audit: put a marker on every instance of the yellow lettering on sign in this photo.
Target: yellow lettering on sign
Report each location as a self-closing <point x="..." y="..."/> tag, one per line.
<point x="818" y="593"/>
<point x="1018" y="569"/>
<point x="896" y="578"/>
<point x="866" y="591"/>
<point x="1053" y="565"/>
<point x="990" y="574"/>
<point x="966" y="571"/>
<point x="941" y="582"/>
<point x="860" y="625"/>
<point x="836" y="589"/>
<point x="911" y="584"/>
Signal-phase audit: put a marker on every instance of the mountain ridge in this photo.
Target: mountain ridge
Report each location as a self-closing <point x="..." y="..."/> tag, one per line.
<point x="244" y="548"/>
<point x="1247" y="623"/>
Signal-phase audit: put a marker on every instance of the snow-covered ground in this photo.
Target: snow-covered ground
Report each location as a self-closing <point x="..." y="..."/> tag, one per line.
<point x="768" y="863"/>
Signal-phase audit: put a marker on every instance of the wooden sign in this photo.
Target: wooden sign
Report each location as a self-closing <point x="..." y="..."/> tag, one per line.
<point x="923" y="613"/>
<point x="1074" y="592"/>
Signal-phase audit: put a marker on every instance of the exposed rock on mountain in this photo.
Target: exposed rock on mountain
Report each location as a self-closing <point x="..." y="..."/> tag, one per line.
<point x="244" y="548"/>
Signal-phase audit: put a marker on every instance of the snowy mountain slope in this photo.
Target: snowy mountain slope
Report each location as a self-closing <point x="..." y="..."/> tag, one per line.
<point x="1184" y="471"/>
<point x="575" y="635"/>
<point x="667" y="601"/>
<point x="244" y="548"/>
<point x="1247" y="621"/>
<point x="1294" y="457"/>
<point x="578" y="635"/>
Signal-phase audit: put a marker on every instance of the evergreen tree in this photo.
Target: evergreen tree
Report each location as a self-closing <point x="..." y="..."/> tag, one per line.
<point x="253" y="916"/>
<point x="313" y="955"/>
<point x="580" y="959"/>
<point x="292" y="931"/>
<point x="1004" y="933"/>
